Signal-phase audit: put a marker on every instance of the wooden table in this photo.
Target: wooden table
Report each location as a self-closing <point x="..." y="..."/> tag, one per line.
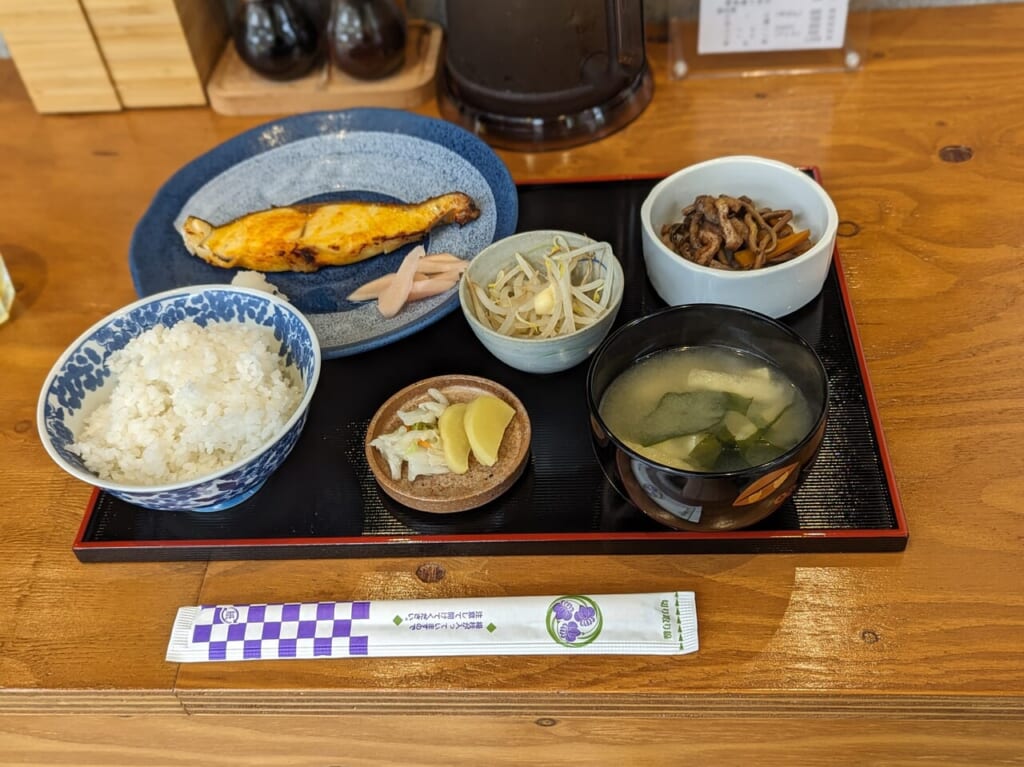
<point x="810" y="659"/>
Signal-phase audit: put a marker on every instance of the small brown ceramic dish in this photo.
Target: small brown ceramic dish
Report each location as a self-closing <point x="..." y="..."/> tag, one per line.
<point x="449" y="493"/>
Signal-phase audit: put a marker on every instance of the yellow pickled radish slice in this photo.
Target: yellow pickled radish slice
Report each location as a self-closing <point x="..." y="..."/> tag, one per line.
<point x="485" y="422"/>
<point x="453" y="438"/>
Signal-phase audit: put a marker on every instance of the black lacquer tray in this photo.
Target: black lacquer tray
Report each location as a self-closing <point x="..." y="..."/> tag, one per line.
<point x="324" y="502"/>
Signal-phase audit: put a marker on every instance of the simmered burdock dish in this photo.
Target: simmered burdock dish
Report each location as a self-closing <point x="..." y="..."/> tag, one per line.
<point x="724" y="232"/>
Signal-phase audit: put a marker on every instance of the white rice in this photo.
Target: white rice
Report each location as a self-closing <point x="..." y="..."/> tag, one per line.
<point x="188" y="401"/>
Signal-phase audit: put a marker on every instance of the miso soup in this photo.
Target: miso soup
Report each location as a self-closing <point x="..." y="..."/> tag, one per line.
<point x="707" y="409"/>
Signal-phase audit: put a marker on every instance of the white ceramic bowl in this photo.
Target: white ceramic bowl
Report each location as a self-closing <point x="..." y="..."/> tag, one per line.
<point x="774" y="290"/>
<point x="537" y="355"/>
<point x="81" y="379"/>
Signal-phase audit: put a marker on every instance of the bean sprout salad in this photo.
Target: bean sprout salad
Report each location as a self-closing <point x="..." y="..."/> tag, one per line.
<point x="546" y="294"/>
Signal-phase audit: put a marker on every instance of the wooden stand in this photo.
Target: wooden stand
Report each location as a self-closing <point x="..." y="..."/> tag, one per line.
<point x="235" y="89"/>
<point x="57" y="56"/>
<point x="158" y="52"/>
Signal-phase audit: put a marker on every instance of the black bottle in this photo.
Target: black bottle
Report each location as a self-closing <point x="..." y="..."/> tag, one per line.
<point x="277" y="38"/>
<point x="366" y="38"/>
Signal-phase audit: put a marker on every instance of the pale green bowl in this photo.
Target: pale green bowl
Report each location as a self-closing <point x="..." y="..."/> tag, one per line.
<point x="533" y="355"/>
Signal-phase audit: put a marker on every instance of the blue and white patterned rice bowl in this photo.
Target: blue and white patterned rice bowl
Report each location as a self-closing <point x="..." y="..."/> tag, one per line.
<point x="80" y="380"/>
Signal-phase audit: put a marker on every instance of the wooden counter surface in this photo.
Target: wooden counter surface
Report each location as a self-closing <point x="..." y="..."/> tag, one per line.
<point x="805" y="659"/>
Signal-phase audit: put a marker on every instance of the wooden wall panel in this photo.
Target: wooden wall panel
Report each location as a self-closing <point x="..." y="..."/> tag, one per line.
<point x="57" y="57"/>
<point x="159" y="52"/>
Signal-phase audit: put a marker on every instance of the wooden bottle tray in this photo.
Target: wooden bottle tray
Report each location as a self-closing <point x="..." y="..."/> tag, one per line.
<point x="235" y="89"/>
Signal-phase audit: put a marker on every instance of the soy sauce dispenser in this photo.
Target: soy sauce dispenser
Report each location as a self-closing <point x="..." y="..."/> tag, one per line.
<point x="366" y="38"/>
<point x="279" y="39"/>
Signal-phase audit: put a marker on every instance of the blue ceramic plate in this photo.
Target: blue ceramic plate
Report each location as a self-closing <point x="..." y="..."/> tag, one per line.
<point x="365" y="154"/>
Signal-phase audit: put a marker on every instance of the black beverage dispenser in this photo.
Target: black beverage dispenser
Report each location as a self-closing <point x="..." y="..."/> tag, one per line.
<point x="544" y="74"/>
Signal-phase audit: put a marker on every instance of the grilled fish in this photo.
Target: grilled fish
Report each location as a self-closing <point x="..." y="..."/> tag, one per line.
<point x="304" y="238"/>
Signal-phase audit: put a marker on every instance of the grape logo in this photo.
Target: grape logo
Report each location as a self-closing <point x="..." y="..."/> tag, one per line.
<point x="574" y="621"/>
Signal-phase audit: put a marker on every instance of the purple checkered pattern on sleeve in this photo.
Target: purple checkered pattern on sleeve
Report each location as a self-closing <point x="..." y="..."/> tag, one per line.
<point x="293" y="630"/>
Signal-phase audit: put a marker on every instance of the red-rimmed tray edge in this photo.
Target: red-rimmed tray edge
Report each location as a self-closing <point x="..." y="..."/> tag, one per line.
<point x="900" y="531"/>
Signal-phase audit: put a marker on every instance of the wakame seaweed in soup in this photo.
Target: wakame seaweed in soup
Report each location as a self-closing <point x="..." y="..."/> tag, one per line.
<point x="706" y="408"/>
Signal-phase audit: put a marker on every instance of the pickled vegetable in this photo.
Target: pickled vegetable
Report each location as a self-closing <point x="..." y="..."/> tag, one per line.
<point x="485" y="421"/>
